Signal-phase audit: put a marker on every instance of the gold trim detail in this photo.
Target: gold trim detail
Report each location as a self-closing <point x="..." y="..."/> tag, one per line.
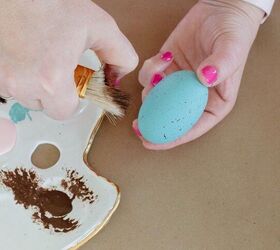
<point x="111" y="212"/>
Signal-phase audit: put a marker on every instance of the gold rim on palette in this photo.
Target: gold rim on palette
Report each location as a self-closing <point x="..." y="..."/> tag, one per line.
<point x="111" y="212"/>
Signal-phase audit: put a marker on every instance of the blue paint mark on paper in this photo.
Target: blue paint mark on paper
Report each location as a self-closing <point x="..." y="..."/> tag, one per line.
<point x="19" y="113"/>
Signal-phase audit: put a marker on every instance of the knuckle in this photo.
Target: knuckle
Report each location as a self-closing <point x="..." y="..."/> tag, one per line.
<point x="151" y="66"/>
<point x="110" y="21"/>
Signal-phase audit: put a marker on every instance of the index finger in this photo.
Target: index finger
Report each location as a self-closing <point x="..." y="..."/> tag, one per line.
<point x="113" y="48"/>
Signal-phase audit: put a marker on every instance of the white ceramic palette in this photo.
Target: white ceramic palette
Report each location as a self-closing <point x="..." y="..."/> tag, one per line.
<point x="73" y="138"/>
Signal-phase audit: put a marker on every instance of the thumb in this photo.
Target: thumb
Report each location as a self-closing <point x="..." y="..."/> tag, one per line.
<point x="225" y="59"/>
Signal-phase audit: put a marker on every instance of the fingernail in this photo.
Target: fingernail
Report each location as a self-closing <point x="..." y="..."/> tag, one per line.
<point x="137" y="131"/>
<point x="156" y="79"/>
<point x="167" y="56"/>
<point x="117" y="83"/>
<point x="210" y="74"/>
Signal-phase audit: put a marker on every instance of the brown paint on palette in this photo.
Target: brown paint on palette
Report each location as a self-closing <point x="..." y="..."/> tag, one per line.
<point x="52" y="206"/>
<point x="77" y="186"/>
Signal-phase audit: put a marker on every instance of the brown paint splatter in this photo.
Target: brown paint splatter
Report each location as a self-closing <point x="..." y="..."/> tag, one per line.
<point x="59" y="224"/>
<point x="76" y="185"/>
<point x="52" y="206"/>
<point x="24" y="185"/>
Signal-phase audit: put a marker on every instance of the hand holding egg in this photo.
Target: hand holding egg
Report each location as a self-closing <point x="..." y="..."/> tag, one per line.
<point x="213" y="41"/>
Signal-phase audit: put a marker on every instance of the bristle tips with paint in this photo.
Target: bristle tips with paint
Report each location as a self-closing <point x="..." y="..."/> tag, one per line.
<point x="114" y="101"/>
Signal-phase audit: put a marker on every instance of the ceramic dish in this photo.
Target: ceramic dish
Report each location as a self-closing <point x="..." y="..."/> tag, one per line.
<point x="60" y="207"/>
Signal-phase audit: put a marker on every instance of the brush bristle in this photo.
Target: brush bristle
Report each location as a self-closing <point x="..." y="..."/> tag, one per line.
<point x="114" y="102"/>
<point x="2" y="100"/>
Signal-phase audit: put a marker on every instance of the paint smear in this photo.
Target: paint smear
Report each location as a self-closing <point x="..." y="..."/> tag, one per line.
<point x="77" y="186"/>
<point x="18" y="113"/>
<point x="50" y="206"/>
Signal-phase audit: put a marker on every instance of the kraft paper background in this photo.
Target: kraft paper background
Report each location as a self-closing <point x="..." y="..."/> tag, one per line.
<point x="219" y="192"/>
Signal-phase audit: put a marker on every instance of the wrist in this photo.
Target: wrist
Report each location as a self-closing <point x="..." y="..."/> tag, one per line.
<point x="254" y="13"/>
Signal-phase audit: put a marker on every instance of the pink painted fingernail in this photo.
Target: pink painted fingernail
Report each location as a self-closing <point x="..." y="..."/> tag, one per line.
<point x="137" y="131"/>
<point x="117" y="83"/>
<point x="167" y="56"/>
<point x="210" y="74"/>
<point x="156" y="79"/>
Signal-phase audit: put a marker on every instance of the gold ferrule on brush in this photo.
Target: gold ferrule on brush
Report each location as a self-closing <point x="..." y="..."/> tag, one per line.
<point x="82" y="78"/>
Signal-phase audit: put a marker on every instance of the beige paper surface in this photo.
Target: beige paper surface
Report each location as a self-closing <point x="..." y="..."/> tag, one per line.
<point x="219" y="192"/>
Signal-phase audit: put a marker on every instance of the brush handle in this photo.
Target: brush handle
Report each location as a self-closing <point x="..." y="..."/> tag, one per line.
<point x="88" y="65"/>
<point x="82" y="77"/>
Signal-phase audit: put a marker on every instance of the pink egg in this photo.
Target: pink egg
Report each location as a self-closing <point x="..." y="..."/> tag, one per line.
<point x="8" y="135"/>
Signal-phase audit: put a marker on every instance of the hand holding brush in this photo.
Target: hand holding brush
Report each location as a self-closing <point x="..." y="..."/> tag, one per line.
<point x="41" y="43"/>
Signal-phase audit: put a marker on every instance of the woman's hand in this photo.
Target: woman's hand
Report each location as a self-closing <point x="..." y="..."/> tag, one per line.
<point x="213" y="40"/>
<point x="41" y="43"/>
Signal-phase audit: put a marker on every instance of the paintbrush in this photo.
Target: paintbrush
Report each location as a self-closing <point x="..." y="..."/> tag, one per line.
<point x="92" y="86"/>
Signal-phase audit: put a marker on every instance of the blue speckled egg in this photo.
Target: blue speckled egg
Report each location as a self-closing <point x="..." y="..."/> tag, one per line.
<point x="172" y="108"/>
